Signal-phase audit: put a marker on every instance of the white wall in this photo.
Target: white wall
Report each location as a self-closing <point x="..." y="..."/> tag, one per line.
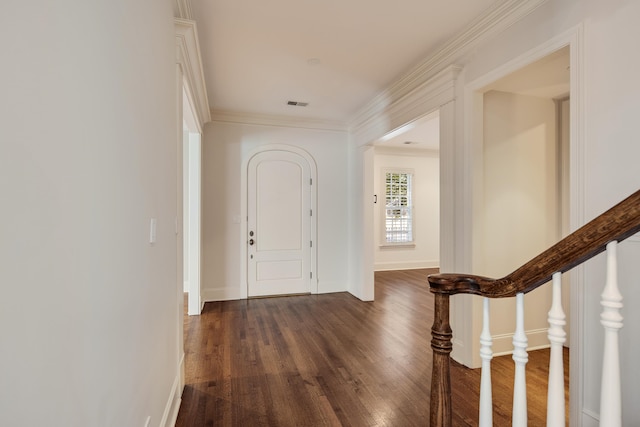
<point x="426" y="199"/>
<point x="520" y="219"/>
<point x="88" y="155"/>
<point x="361" y="211"/>
<point x="226" y="149"/>
<point x="606" y="159"/>
<point x="185" y="208"/>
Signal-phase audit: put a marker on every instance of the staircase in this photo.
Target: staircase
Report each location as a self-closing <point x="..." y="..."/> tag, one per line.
<point x="603" y="233"/>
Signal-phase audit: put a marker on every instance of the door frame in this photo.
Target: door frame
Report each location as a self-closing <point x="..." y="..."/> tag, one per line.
<point x="466" y="310"/>
<point x="244" y="183"/>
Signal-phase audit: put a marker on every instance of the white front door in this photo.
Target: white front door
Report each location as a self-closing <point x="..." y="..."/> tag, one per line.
<point x="278" y="224"/>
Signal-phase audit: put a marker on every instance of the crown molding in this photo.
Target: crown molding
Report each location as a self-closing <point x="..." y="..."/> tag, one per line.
<point x="430" y="95"/>
<point x="408" y="151"/>
<point x="189" y="59"/>
<point x="182" y="9"/>
<point x="494" y="20"/>
<point x="226" y="116"/>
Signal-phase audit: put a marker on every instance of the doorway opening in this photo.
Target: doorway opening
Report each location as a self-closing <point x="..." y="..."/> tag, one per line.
<point x="409" y="153"/>
<point x="522" y="166"/>
<point x="191" y="207"/>
<point x="520" y="185"/>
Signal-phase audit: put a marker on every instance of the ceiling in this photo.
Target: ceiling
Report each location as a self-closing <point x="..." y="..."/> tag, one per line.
<point x="335" y="55"/>
<point x="546" y="78"/>
<point x="420" y="134"/>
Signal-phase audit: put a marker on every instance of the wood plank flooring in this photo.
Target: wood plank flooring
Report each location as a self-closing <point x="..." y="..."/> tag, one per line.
<point x="332" y="360"/>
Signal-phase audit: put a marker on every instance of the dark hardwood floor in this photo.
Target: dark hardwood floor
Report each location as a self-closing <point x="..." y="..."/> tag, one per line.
<point x="332" y="360"/>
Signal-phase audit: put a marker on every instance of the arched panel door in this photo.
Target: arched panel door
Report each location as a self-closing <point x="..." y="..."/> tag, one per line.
<point x="278" y="224"/>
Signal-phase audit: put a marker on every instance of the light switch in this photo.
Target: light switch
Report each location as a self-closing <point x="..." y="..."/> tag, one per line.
<point x="152" y="230"/>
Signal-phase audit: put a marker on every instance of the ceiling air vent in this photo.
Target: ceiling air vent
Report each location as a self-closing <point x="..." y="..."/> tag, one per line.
<point x="297" y="103"/>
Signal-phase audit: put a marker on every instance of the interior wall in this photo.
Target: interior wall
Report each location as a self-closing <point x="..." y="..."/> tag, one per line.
<point x="521" y="194"/>
<point x="89" y="307"/>
<point x="603" y="161"/>
<point x="185" y="209"/>
<point x="426" y="199"/>
<point x="361" y="210"/>
<point x="226" y="148"/>
<point x="192" y="238"/>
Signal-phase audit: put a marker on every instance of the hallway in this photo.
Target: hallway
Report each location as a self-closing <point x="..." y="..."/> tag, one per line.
<point x="331" y="360"/>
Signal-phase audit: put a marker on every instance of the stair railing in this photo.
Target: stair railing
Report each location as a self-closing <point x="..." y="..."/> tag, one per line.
<point x="602" y="233"/>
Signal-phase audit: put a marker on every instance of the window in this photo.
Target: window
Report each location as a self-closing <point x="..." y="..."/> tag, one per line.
<point x="398" y="207"/>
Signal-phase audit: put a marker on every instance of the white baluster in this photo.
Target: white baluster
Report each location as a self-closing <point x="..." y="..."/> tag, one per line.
<point x="486" y="404"/>
<point x="520" y="357"/>
<point x="557" y="337"/>
<point x="611" y="319"/>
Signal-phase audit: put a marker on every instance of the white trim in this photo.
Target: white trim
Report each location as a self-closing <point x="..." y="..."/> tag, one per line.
<point x="577" y="169"/>
<point x="407" y="151"/>
<point x="190" y="60"/>
<point x="381" y="119"/>
<point x="472" y="173"/>
<point x="329" y="287"/>
<point x="405" y="265"/>
<point x="194" y="221"/>
<point x="276" y="120"/>
<point x="529" y="57"/>
<point x="362" y="248"/>
<point x="537" y="340"/>
<point x="589" y="419"/>
<point x="172" y="407"/>
<point x="224" y="293"/>
<point x="182" y="9"/>
<point x="496" y="19"/>
<point x="384" y="244"/>
<point x="392" y="246"/>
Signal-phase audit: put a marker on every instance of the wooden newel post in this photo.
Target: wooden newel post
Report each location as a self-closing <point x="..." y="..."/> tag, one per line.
<point x="441" y="375"/>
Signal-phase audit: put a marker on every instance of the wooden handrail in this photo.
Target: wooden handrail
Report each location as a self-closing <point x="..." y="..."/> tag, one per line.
<point x="616" y="224"/>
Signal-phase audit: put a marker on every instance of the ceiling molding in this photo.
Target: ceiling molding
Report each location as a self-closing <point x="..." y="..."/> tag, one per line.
<point x="276" y="120"/>
<point x="430" y="95"/>
<point x="182" y="9"/>
<point x="406" y="151"/>
<point x="189" y="59"/>
<point x="493" y="21"/>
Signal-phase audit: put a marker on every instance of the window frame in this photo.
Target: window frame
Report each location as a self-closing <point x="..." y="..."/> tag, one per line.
<point x="384" y="243"/>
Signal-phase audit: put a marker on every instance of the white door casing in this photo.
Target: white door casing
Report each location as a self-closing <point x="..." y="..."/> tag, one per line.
<point x="280" y="221"/>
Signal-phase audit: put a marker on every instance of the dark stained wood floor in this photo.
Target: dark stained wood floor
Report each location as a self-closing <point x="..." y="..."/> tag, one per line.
<point x="332" y="360"/>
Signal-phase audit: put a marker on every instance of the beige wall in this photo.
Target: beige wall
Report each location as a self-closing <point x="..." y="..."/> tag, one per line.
<point x="520" y="218"/>
<point x="426" y="201"/>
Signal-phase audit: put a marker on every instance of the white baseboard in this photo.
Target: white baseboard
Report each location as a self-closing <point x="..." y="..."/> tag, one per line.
<point x="405" y="265"/>
<point x="537" y="339"/>
<point x="329" y="287"/>
<point x="219" y="294"/>
<point x="183" y="376"/>
<point x="457" y="351"/>
<point x="175" y="398"/>
<point x="589" y="419"/>
<point x="229" y="294"/>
